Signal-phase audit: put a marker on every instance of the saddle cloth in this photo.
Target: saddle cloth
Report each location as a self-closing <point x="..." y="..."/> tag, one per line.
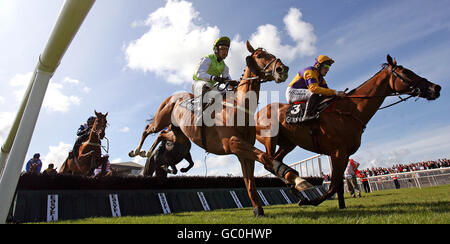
<point x="296" y="110"/>
<point x="193" y="104"/>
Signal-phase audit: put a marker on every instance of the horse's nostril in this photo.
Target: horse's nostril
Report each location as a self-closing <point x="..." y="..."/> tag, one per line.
<point x="279" y="70"/>
<point x="437" y="88"/>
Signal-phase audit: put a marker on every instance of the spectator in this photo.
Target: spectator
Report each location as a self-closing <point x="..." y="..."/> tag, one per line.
<point x="364" y="181"/>
<point x="50" y="170"/>
<point x="34" y="165"/>
<point x="395" y="178"/>
<point x="98" y="170"/>
<point x="350" y="176"/>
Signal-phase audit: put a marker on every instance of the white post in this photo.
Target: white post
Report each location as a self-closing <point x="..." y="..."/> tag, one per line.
<point x="71" y="17"/>
<point x="7" y="145"/>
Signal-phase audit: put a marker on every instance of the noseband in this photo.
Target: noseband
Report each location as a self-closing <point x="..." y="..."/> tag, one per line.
<point x="263" y="74"/>
<point x="412" y="84"/>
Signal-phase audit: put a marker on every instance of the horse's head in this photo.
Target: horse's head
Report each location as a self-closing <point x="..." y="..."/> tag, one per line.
<point x="265" y="65"/>
<point x="404" y="81"/>
<point x="100" y="124"/>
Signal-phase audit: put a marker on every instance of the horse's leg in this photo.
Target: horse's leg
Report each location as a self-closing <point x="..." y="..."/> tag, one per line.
<point x="248" y="168"/>
<point x="243" y="149"/>
<point x="64" y="167"/>
<point x="188" y="157"/>
<point x="285" y="148"/>
<point x="161" y="120"/>
<point x="167" y="136"/>
<point x="339" y="163"/>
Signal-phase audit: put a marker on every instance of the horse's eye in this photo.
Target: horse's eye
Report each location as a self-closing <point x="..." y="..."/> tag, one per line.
<point x="260" y="55"/>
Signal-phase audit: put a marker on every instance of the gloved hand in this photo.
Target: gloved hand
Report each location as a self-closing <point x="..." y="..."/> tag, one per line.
<point x="219" y="79"/>
<point x="233" y="83"/>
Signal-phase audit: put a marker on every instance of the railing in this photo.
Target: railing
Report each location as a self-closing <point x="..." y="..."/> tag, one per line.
<point x="412" y="179"/>
<point x="313" y="166"/>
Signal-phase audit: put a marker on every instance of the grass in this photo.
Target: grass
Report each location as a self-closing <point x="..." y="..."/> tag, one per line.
<point x="429" y="205"/>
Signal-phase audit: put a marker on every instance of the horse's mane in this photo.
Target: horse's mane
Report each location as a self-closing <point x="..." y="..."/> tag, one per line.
<point x="383" y="66"/>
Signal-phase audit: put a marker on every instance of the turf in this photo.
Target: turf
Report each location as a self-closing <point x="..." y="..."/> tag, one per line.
<point x="429" y="205"/>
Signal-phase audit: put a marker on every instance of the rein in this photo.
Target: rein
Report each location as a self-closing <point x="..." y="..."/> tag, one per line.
<point x="415" y="90"/>
<point x="412" y="85"/>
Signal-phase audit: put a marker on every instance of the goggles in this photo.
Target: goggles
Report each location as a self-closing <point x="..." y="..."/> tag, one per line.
<point x="326" y="66"/>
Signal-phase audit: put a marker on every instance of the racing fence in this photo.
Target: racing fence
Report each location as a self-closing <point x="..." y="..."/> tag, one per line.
<point x="42" y="198"/>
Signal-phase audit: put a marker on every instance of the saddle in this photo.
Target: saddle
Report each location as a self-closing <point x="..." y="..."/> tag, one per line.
<point x="296" y="110"/>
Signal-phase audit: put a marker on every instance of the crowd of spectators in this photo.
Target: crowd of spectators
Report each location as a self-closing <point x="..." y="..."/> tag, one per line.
<point x="401" y="168"/>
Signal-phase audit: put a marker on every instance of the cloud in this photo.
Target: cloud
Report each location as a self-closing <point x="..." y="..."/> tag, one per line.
<point x="56" y="101"/>
<point x="217" y="166"/>
<point x="56" y="98"/>
<point x="125" y="129"/>
<point x="175" y="42"/>
<point x="56" y="155"/>
<point x="2" y="100"/>
<point x="6" y="121"/>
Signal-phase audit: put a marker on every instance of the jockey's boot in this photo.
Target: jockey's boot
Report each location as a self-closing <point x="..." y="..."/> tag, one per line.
<point x="311" y="105"/>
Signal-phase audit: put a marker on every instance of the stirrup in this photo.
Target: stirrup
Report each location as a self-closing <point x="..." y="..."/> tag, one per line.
<point x="309" y="117"/>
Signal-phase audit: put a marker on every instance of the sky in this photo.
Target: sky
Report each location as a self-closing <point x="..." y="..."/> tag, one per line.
<point x="129" y="55"/>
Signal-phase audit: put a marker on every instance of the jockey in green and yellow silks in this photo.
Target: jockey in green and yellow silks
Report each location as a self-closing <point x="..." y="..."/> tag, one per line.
<point x="310" y="85"/>
<point x="212" y="68"/>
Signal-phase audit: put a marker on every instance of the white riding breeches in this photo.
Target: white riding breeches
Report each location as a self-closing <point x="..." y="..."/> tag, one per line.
<point x="297" y="95"/>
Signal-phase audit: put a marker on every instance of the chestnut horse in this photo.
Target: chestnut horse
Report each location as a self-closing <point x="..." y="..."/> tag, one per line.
<point x="90" y="152"/>
<point x="237" y="137"/>
<point x="338" y="130"/>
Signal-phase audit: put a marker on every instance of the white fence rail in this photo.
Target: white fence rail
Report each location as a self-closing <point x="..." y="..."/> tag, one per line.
<point x="412" y="179"/>
<point x="313" y="166"/>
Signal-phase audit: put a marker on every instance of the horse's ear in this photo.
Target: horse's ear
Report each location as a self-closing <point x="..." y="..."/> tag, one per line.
<point x="95" y="112"/>
<point x="249" y="47"/>
<point x="106" y="114"/>
<point x="391" y="61"/>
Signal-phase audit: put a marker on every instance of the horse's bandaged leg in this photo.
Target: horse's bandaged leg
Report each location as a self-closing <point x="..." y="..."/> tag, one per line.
<point x="280" y="169"/>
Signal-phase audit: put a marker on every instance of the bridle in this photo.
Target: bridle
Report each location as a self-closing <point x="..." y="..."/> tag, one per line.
<point x="415" y="90"/>
<point x="264" y="75"/>
<point x="98" y="132"/>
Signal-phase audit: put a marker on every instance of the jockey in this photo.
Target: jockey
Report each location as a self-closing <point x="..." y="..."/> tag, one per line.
<point x="212" y="68"/>
<point x="309" y="84"/>
<point x="83" y="135"/>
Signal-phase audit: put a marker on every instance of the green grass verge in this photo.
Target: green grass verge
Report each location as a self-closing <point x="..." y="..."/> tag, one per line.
<point x="429" y="205"/>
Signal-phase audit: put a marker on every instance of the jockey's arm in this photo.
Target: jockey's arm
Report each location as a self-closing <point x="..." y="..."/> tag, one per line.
<point x="202" y="70"/>
<point x="316" y="89"/>
<point x="313" y="84"/>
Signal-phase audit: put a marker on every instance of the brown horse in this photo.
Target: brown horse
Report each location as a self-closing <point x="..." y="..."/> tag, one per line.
<point x="171" y="152"/>
<point x="338" y="130"/>
<point x="232" y="130"/>
<point x="90" y="153"/>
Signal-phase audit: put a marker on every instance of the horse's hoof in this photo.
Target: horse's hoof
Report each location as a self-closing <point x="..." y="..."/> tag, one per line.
<point x="132" y="154"/>
<point x="258" y="212"/>
<point x="143" y="154"/>
<point x="302" y="185"/>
